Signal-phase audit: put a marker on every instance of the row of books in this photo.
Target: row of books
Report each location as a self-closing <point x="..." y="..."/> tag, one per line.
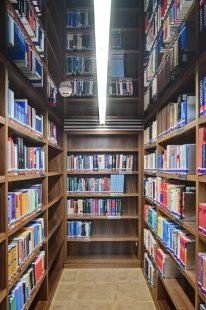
<point x="24" y="56"/>
<point x="202" y="217"/>
<point x="114" y="184"/>
<point x="80" y="65"/>
<point x="20" y="293"/>
<point x="52" y="132"/>
<point x="150" y="133"/>
<point x="79" y="229"/>
<point x="51" y="92"/>
<point x="122" y="162"/>
<point x="23" y="244"/>
<point x="203" y="93"/>
<point x="166" y="267"/>
<point x="27" y="14"/>
<point x="202" y="271"/>
<point x="178" y="159"/>
<point x="177" y="241"/>
<point x="94" y="206"/>
<point x="20" y="111"/>
<point x="150" y="243"/>
<point x="178" y="199"/>
<point x="116" y="40"/>
<point x="150" y="161"/>
<point x="37" y="5"/>
<point x="176" y="114"/>
<point x="202" y="7"/>
<point x="78" y="19"/>
<point x="23" y="202"/>
<point x="79" y="41"/>
<point x="120" y="88"/>
<point x="150" y="217"/>
<point x="116" y="66"/>
<point x="22" y="158"/>
<point x="150" y="271"/>
<point x="82" y="88"/>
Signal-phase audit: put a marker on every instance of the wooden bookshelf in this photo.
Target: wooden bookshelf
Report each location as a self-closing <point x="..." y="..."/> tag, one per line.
<point x="182" y="293"/>
<point x="13" y="78"/>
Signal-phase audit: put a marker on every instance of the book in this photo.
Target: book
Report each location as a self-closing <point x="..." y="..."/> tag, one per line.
<point x="80" y="65"/>
<point x="51" y="92"/>
<point x="149" y="270"/>
<point x="52" y="132"/>
<point x="79" y="41"/>
<point x="201" y="169"/>
<point x="150" y="162"/>
<point x="79" y="229"/>
<point x="150" y="133"/>
<point x="150" y="243"/>
<point x="150" y="217"/>
<point x="84" y="88"/>
<point x="81" y="18"/>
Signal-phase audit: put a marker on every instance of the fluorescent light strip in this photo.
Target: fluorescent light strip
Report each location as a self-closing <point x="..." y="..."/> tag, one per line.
<point x="102" y="10"/>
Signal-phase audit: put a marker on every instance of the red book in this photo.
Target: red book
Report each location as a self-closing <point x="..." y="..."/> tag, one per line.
<point x="201" y="141"/>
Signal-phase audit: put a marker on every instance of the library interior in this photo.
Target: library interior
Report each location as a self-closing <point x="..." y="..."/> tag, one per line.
<point x="102" y="164"/>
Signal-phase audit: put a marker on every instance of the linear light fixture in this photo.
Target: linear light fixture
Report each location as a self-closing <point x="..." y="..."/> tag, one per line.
<point x="102" y="10"/>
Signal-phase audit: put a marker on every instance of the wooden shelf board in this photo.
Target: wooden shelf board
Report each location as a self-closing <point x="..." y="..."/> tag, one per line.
<point x="202" y="237"/>
<point x="53" y="174"/>
<point x="102" y="217"/>
<point x="151" y="173"/>
<point x="55" y="146"/>
<point x="187" y="177"/>
<point x="34" y="292"/>
<point x="25" y="132"/>
<point x="102" y="172"/>
<point x="202" y="296"/>
<point x="2" y="237"/>
<point x="150" y="228"/>
<point x="125" y="29"/>
<point x="2" y="179"/>
<point x="202" y="178"/>
<point x="25" y="221"/>
<point x="52" y="231"/>
<point x="121" y="51"/>
<point x="18" y="274"/>
<point x="2" y="295"/>
<point x="102" y="238"/>
<point x="2" y="120"/>
<point x="188" y="274"/>
<point x="202" y="120"/>
<point x="177" y="294"/>
<point x="26" y="176"/>
<point x="96" y="150"/>
<point x="179" y="132"/>
<point x="54" y="201"/>
<point x="150" y="146"/>
<point x="54" y="255"/>
<point x="85" y="195"/>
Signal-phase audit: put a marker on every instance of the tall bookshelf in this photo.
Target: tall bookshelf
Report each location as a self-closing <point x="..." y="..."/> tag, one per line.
<point x="51" y="178"/>
<point x="115" y="240"/>
<point x="180" y="289"/>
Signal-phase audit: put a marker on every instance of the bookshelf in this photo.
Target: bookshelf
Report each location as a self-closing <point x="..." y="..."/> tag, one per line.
<point x="175" y="286"/>
<point x="115" y="237"/>
<point x="25" y="115"/>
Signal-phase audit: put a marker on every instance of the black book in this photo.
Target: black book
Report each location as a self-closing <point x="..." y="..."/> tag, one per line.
<point x="113" y="162"/>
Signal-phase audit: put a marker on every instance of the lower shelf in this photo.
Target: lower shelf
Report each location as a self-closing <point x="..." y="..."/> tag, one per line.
<point x="103" y="238"/>
<point x="177" y="294"/>
<point x="104" y="260"/>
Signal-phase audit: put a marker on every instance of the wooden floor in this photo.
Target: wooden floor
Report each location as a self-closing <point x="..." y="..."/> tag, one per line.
<point x="102" y="289"/>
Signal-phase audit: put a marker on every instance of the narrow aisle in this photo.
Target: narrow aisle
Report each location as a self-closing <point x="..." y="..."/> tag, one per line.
<point x="102" y="289"/>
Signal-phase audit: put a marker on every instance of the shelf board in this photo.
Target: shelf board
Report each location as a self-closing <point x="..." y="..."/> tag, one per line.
<point x="102" y="238"/>
<point x="202" y="120"/>
<point x="202" y="296"/>
<point x="188" y="274"/>
<point x="25" y="221"/>
<point x="2" y="237"/>
<point x="25" y="132"/>
<point x="176" y="176"/>
<point x="150" y="173"/>
<point x="178" y="133"/>
<point x="97" y="150"/>
<point x="150" y="146"/>
<point x="177" y="294"/>
<point x="26" y="176"/>
<point x="202" y="178"/>
<point x="2" y="120"/>
<point x="123" y="51"/>
<point x="54" y="201"/>
<point x="114" y="260"/>
<point x="85" y="195"/>
<point x="125" y="29"/>
<point x="2" y="295"/>
<point x="34" y="292"/>
<point x="100" y="172"/>
<point x="52" y="231"/>
<point x="151" y="258"/>
<point x="53" y="174"/>
<point x="102" y="217"/>
<point x="151" y="229"/>
<point x="55" y="146"/>
<point x="2" y="179"/>
<point x="202" y="237"/>
<point x="21" y="270"/>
